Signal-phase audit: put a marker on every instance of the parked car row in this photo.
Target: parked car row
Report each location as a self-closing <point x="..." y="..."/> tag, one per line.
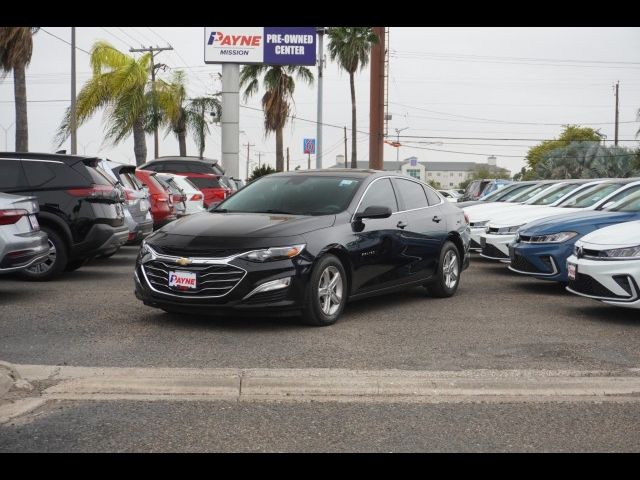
<point x="59" y="211"/>
<point x="582" y="233"/>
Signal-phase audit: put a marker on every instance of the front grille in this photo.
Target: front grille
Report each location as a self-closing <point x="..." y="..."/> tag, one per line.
<point x="491" y="251"/>
<point x="211" y="280"/>
<point x="519" y="262"/>
<point x="198" y="252"/>
<point x="624" y="281"/>
<point x="590" y="286"/>
<point x="524" y="238"/>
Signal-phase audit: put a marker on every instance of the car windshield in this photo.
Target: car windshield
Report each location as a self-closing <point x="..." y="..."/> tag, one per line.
<point x="590" y="196"/>
<point x="511" y="193"/>
<point x="626" y="201"/>
<point x="294" y="195"/>
<point x="555" y="194"/>
<point x="529" y="193"/>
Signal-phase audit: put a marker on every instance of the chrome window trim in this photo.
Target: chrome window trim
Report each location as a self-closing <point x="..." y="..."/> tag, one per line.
<point x="399" y="211"/>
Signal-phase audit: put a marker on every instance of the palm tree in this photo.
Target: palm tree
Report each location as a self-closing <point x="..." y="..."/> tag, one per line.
<point x="279" y="85"/>
<point x="16" y="46"/>
<point x="120" y="84"/>
<point x="180" y="115"/>
<point x="351" y="46"/>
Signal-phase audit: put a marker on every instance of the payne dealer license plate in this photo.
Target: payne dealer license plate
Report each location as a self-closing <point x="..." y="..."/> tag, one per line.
<point x="571" y="271"/>
<point x="182" y="280"/>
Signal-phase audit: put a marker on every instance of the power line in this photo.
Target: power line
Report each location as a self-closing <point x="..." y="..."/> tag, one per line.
<point x="63" y="40"/>
<point x="116" y="37"/>
<point x="500" y="139"/>
<point x="135" y="40"/>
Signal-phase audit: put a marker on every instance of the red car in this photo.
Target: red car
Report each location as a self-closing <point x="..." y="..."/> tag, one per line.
<point x="163" y="210"/>
<point x="212" y="186"/>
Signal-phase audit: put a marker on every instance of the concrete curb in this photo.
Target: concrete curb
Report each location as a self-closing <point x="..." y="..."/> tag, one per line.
<point x="10" y="378"/>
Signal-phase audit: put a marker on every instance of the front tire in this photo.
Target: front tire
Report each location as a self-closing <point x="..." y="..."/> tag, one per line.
<point x="326" y="293"/>
<point x="54" y="265"/>
<point x="448" y="274"/>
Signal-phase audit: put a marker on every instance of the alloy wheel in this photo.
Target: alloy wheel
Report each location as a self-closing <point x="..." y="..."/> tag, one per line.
<point x="330" y="290"/>
<point x="450" y="269"/>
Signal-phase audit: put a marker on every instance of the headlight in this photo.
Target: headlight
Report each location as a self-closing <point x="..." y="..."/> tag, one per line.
<point x="628" y="252"/>
<point x="507" y="230"/>
<point x="146" y="253"/>
<point x="478" y="224"/>
<point x="553" y="237"/>
<point x="273" y="253"/>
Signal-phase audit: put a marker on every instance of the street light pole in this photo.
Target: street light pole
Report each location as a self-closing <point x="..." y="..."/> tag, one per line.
<point x="398" y="147"/>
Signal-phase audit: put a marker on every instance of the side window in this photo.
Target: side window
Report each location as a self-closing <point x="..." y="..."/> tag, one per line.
<point x="412" y="194"/>
<point x="432" y="197"/>
<point x="11" y="175"/>
<point x="38" y="173"/>
<point x="380" y="194"/>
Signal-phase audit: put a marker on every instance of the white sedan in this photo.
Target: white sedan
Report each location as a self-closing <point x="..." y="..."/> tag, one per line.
<point x="501" y="230"/>
<point x="605" y="265"/>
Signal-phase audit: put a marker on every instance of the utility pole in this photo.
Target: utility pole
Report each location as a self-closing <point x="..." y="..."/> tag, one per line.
<point x="345" y="147"/>
<point x="287" y="159"/>
<point x="616" y="134"/>
<point x="73" y="122"/>
<point x="376" y="101"/>
<point x="398" y="147"/>
<point x="259" y="158"/>
<point x="248" y="145"/>
<point x="6" y="137"/>
<point x="153" y="51"/>
<point x="321" y="32"/>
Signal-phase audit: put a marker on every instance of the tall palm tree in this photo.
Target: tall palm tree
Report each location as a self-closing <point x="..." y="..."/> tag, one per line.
<point x="279" y="85"/>
<point x="16" y="46"/>
<point x="120" y="84"/>
<point x="351" y="46"/>
<point x="180" y="114"/>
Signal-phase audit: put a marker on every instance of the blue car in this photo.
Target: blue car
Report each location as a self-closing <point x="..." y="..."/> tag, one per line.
<point x="541" y="248"/>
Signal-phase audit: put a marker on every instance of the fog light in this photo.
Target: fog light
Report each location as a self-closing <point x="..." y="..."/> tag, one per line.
<point x="269" y="286"/>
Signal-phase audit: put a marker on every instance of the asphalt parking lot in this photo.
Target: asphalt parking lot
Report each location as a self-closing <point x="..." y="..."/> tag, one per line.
<point x="497" y="320"/>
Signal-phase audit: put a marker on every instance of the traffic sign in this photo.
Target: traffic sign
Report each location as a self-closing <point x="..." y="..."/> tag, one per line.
<point x="309" y="146"/>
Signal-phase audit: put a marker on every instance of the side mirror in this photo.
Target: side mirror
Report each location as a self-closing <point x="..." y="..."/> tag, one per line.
<point x="374" y="211"/>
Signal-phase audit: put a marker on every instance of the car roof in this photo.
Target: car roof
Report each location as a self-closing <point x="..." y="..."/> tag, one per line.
<point x="206" y="161"/>
<point x="60" y="157"/>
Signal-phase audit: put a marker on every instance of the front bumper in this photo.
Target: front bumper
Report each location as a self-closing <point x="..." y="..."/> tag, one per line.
<point x="611" y="281"/>
<point x="496" y="247"/>
<point x="26" y="250"/>
<point x="545" y="261"/>
<point x="474" y="240"/>
<point x="152" y="279"/>
<point x="139" y="232"/>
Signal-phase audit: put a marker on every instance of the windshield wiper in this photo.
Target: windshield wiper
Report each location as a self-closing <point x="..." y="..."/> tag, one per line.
<point x="283" y="212"/>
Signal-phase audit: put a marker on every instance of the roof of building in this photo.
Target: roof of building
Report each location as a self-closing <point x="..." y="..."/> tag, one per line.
<point x="429" y="166"/>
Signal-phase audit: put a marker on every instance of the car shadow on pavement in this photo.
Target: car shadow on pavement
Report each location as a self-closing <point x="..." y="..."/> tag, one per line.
<point x="229" y="323"/>
<point x="542" y="287"/>
<point x="601" y="312"/>
<point x="11" y="294"/>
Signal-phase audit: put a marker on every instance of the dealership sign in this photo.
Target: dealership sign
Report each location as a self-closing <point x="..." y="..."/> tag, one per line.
<point x="263" y="45"/>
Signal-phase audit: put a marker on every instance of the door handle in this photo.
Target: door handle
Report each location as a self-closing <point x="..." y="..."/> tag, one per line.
<point x="401" y="224"/>
<point x="436" y="219"/>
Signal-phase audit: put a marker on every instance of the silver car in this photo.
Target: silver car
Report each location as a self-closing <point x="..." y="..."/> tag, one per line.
<point x="137" y="214"/>
<point x="22" y="243"/>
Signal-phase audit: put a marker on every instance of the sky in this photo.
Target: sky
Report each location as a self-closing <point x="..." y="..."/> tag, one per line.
<point x="459" y="94"/>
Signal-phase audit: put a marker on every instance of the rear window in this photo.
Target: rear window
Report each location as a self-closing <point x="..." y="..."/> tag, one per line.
<point x="412" y="193"/>
<point x="11" y="175"/>
<point x="432" y="196"/>
<point x="98" y="177"/>
<point x="205" y="182"/>
<point x="48" y="174"/>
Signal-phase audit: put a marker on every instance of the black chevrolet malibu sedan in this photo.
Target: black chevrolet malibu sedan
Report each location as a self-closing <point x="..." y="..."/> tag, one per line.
<point x="304" y="243"/>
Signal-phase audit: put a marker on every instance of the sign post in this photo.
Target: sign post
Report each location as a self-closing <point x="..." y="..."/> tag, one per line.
<point x="235" y="46"/>
<point x="309" y="147"/>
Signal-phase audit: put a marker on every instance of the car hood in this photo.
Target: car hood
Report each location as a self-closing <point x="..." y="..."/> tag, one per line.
<point x="231" y="225"/>
<point x="523" y="215"/>
<point x="622" y="235"/>
<point x="580" y="222"/>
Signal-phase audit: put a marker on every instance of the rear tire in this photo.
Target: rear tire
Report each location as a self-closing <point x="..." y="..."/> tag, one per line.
<point x="326" y="293"/>
<point x="448" y="274"/>
<point x="54" y="265"/>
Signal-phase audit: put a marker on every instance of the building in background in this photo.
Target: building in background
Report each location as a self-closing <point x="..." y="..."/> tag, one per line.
<point x="447" y="174"/>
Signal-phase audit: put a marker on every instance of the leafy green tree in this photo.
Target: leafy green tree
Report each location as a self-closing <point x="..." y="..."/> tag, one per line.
<point x="261" y="171"/>
<point x="351" y="47"/>
<point x="435" y="184"/>
<point x="571" y="133"/>
<point x="279" y="84"/>
<point x="16" y="47"/>
<point x="121" y="85"/>
<point x="179" y="114"/>
<point x="588" y="160"/>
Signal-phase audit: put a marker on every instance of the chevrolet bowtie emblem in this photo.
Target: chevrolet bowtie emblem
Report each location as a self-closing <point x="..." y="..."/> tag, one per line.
<point x="183" y="262"/>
